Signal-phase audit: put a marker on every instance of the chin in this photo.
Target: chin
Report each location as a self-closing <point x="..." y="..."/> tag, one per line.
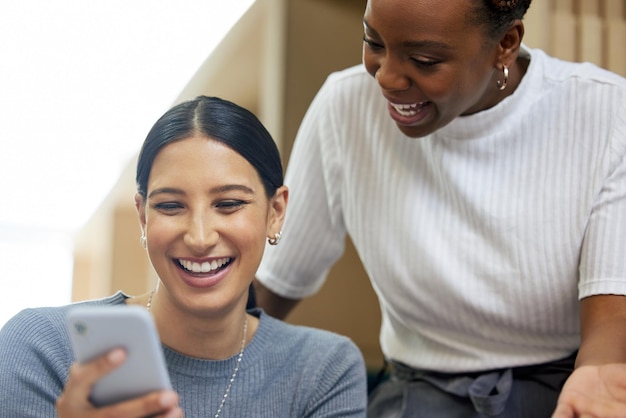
<point x="415" y="132"/>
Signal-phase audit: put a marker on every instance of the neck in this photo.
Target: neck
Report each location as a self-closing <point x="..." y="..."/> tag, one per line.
<point x="518" y="70"/>
<point x="495" y="96"/>
<point x="207" y="337"/>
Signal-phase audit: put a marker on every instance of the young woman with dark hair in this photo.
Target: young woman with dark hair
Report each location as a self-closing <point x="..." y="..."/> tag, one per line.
<point x="210" y="193"/>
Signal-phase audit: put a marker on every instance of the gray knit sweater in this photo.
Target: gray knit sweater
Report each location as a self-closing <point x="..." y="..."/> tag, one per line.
<point x="286" y="371"/>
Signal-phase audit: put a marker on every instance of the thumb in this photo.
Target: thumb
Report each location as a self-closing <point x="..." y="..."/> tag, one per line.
<point x="563" y="411"/>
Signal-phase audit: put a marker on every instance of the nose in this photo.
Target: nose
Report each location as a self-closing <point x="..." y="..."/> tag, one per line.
<point x="201" y="233"/>
<point x="391" y="74"/>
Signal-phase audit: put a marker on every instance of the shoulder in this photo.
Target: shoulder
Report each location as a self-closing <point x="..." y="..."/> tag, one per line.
<point x="354" y="74"/>
<point x="560" y="71"/>
<point x="348" y="95"/>
<point x="36" y="339"/>
<point x="321" y="371"/>
<point x="308" y="343"/>
<point x="580" y="93"/>
<point x="350" y="82"/>
<point x="327" y="366"/>
<point x="44" y="327"/>
<point x="35" y="357"/>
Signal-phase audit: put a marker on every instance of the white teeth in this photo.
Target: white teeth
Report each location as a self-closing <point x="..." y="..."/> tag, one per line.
<point x="407" y="109"/>
<point x="205" y="267"/>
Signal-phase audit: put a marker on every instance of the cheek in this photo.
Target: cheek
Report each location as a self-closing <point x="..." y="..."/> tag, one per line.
<point x="470" y="95"/>
<point x="441" y="89"/>
<point x="249" y="242"/>
<point x="160" y="231"/>
<point x="157" y="248"/>
<point x="246" y="228"/>
<point x="453" y="92"/>
<point x="247" y="234"/>
<point x="370" y="62"/>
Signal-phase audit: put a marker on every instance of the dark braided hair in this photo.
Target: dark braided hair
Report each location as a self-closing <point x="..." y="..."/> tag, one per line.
<point x="497" y="15"/>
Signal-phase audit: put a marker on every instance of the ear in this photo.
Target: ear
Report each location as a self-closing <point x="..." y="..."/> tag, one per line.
<point x="509" y="45"/>
<point x="277" y="211"/>
<point x="140" y="205"/>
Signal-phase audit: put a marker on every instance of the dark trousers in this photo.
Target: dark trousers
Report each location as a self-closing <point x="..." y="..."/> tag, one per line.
<point x="523" y="392"/>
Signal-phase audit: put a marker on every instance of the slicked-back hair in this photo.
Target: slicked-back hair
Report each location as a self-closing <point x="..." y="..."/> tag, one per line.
<point x="219" y="119"/>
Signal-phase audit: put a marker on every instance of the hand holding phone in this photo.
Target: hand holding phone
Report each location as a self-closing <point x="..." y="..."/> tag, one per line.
<point x="95" y="331"/>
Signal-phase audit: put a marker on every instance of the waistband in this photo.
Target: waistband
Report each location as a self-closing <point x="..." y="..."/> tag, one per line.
<point x="488" y="390"/>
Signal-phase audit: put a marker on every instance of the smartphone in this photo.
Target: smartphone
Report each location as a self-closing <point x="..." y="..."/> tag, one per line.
<point x="95" y="330"/>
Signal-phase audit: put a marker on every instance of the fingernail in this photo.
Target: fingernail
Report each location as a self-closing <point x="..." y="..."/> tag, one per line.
<point x="116" y="356"/>
<point x="167" y="399"/>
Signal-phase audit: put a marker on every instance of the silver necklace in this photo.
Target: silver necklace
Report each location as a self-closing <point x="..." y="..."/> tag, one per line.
<point x="239" y="357"/>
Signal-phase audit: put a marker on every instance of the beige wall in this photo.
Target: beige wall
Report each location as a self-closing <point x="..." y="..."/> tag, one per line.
<point x="325" y="36"/>
<point x="580" y="30"/>
<point x="273" y="62"/>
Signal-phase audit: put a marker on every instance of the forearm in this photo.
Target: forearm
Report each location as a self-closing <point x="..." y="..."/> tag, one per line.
<point x="603" y="330"/>
<point x="273" y="304"/>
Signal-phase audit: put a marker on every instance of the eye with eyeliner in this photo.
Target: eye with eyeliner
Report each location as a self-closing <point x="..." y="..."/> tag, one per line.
<point x="371" y="44"/>
<point x="167" y="207"/>
<point x="230" y="205"/>
<point x="425" y="63"/>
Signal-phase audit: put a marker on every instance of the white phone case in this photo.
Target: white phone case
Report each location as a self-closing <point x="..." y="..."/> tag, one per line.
<point x="96" y="330"/>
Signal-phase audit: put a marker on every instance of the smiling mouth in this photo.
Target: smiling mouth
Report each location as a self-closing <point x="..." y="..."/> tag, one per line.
<point x="408" y="110"/>
<point x="205" y="267"/>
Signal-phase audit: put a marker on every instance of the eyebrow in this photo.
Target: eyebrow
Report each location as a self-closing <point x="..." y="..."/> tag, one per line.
<point x="231" y="187"/>
<point x="414" y="44"/>
<point x="219" y="189"/>
<point x="165" y="190"/>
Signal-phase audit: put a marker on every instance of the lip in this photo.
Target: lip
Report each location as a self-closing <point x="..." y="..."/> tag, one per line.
<point x="203" y="280"/>
<point x="408" y="114"/>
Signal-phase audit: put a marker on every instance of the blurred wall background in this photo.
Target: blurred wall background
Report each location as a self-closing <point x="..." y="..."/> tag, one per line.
<point x="80" y="85"/>
<point x="273" y="61"/>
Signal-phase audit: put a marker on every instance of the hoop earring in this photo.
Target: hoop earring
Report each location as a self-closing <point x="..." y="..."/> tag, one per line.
<point x="143" y="241"/>
<point x="502" y="84"/>
<point x="275" y="240"/>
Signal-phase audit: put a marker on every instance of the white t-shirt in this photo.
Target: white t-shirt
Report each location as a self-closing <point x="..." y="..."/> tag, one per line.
<point x="479" y="239"/>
